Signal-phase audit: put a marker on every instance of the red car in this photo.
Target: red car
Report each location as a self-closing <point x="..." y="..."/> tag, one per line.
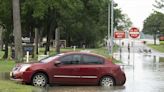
<point x="70" y="68"/>
<point x="161" y="38"/>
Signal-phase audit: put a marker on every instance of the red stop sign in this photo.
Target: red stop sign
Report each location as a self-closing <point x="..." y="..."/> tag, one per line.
<point x="134" y="32"/>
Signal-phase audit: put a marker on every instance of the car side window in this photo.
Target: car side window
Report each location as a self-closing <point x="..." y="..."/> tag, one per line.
<point x="66" y="60"/>
<point x="76" y="59"/>
<point x="88" y="59"/>
<point x="70" y="59"/>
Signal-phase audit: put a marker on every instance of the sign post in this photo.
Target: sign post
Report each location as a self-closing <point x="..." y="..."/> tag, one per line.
<point x="134" y="33"/>
<point x="119" y="35"/>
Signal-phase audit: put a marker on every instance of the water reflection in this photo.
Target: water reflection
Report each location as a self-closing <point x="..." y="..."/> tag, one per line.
<point x="144" y="72"/>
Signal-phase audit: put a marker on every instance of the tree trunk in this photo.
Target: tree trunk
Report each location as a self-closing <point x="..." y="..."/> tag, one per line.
<point x="17" y="31"/>
<point x="47" y="48"/>
<point x="36" y="40"/>
<point x="57" y="39"/>
<point x="154" y="39"/>
<point x="1" y="42"/>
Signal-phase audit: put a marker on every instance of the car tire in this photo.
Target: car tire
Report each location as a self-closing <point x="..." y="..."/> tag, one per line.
<point x="107" y="81"/>
<point x="39" y="79"/>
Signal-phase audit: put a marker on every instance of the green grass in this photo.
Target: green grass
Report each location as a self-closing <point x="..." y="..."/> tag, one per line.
<point x="9" y="86"/>
<point x="6" y="65"/>
<point x="161" y="59"/>
<point x="1" y="53"/>
<point x="161" y="42"/>
<point x="159" y="48"/>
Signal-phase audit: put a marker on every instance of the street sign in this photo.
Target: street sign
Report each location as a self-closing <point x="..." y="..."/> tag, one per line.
<point x="134" y="32"/>
<point x="119" y="35"/>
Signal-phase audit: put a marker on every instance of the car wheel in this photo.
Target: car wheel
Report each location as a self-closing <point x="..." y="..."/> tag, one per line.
<point x="39" y="79"/>
<point x="107" y="81"/>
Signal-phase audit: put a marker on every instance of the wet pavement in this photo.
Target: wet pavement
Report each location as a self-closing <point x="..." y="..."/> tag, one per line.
<point x="144" y="72"/>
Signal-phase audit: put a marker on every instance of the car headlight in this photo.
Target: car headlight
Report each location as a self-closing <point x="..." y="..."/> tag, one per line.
<point x="24" y="67"/>
<point x="122" y="67"/>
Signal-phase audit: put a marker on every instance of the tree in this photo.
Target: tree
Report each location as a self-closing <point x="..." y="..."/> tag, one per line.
<point x="82" y="21"/>
<point x="1" y="42"/>
<point x="159" y="4"/>
<point x="17" y="31"/>
<point x="153" y="24"/>
<point x="6" y="23"/>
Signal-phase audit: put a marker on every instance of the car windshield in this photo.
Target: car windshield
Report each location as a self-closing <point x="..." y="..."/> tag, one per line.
<point x="48" y="59"/>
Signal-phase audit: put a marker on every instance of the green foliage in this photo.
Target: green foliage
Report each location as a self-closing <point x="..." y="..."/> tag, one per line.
<point x="154" y="23"/>
<point x="81" y="21"/>
<point x="159" y="4"/>
<point x="6" y="65"/>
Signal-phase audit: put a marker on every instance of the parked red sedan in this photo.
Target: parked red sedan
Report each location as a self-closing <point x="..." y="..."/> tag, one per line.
<point x="70" y="68"/>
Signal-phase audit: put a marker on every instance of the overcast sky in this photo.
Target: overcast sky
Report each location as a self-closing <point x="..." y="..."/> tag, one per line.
<point x="137" y="10"/>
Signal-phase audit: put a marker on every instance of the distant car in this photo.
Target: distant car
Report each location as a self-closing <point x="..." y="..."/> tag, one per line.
<point x="161" y="38"/>
<point x="72" y="68"/>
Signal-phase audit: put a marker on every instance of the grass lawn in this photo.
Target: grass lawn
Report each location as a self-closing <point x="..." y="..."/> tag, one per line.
<point x="6" y="65"/>
<point x="162" y="42"/>
<point x="159" y="48"/>
<point x="161" y="59"/>
<point x="9" y="86"/>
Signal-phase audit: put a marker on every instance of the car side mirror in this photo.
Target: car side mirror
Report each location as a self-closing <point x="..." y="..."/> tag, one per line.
<point x="57" y="63"/>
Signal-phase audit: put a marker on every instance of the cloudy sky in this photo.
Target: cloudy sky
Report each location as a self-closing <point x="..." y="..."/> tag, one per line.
<point x="137" y="10"/>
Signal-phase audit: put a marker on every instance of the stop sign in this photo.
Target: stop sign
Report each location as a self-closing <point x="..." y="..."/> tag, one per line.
<point x="134" y="32"/>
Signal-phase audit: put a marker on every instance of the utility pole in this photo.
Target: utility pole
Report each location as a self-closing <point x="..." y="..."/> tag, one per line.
<point x="110" y="26"/>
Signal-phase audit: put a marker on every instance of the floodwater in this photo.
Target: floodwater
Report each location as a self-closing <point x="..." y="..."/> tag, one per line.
<point x="144" y="72"/>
